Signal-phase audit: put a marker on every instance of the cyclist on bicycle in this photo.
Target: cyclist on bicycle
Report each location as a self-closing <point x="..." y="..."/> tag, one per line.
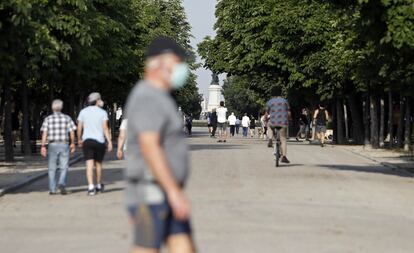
<point x="278" y="113"/>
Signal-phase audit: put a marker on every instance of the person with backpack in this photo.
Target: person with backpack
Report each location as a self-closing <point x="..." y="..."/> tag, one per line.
<point x="320" y="118"/>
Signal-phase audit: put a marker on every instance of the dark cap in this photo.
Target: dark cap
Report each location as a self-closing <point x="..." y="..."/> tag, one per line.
<point x="164" y="45"/>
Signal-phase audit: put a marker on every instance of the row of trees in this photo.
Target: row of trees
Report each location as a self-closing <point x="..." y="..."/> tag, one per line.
<point x="356" y="56"/>
<point x="68" y="48"/>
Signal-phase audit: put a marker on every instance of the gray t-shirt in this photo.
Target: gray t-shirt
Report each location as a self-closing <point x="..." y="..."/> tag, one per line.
<point x="152" y="110"/>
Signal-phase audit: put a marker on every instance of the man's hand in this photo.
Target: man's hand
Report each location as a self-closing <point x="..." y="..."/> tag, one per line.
<point x="179" y="204"/>
<point x="80" y="144"/>
<point x="72" y="148"/>
<point x="120" y="154"/>
<point x="43" y="151"/>
<point x="110" y="146"/>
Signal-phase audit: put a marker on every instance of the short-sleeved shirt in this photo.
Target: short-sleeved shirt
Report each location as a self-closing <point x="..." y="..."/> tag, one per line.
<point x="93" y="118"/>
<point x="278" y="109"/>
<point x="153" y="110"/>
<point x="58" y="126"/>
<point x="221" y="114"/>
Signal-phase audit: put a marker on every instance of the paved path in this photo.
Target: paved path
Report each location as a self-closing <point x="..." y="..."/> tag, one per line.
<point x="327" y="200"/>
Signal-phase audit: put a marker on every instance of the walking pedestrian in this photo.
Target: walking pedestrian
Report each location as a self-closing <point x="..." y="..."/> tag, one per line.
<point x="213" y="121"/>
<point x="189" y="124"/>
<point x="238" y="122"/>
<point x="232" y="122"/>
<point x="320" y="118"/>
<point x="157" y="154"/>
<point x="245" y="124"/>
<point x="279" y="113"/>
<point x="222" y="122"/>
<point x="263" y="122"/>
<point x="209" y="122"/>
<point x="252" y="127"/>
<point x="122" y="139"/>
<point x="59" y="130"/>
<point x="92" y="131"/>
<point x="304" y="125"/>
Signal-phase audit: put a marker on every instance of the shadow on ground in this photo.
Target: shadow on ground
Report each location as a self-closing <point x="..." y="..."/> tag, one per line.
<point x="379" y="169"/>
<point x="76" y="180"/>
<point x="194" y="147"/>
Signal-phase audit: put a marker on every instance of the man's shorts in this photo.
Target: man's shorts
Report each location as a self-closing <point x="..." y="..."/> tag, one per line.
<point x="321" y="129"/>
<point x="154" y="224"/>
<point x="222" y="126"/>
<point x="93" y="150"/>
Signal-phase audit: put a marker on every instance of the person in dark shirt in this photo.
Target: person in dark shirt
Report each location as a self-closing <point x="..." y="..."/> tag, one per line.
<point x="213" y="122"/>
<point x="304" y="125"/>
<point x="321" y="117"/>
<point x="252" y="126"/>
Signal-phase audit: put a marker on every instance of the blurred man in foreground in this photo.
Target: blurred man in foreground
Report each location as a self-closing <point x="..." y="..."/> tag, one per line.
<point x="157" y="154"/>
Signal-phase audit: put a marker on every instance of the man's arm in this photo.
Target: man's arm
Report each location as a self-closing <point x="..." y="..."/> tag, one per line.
<point x="315" y="114"/>
<point x="155" y="157"/>
<point x="80" y="129"/>
<point x="72" y="141"/>
<point x="107" y="135"/>
<point x="121" y="142"/>
<point x="327" y="115"/>
<point x="43" y="150"/>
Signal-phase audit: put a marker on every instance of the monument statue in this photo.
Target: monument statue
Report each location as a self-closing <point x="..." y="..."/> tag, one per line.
<point x="214" y="93"/>
<point x="214" y="79"/>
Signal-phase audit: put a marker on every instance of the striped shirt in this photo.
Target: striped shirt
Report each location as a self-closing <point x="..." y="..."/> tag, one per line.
<point x="58" y="126"/>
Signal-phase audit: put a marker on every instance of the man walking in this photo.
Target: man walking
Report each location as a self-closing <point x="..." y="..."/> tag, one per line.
<point x="320" y="117"/>
<point x="92" y="131"/>
<point x="222" y="122"/>
<point x="238" y="122"/>
<point x="232" y="122"/>
<point x="213" y="122"/>
<point x="245" y="125"/>
<point x="304" y="125"/>
<point x="56" y="129"/>
<point x="158" y="154"/>
<point x="279" y="111"/>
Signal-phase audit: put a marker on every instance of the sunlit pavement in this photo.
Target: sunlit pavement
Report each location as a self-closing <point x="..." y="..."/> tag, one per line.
<point x="326" y="200"/>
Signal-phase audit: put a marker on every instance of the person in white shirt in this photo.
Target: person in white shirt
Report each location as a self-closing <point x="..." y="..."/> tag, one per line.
<point x="245" y="124"/>
<point x="232" y="122"/>
<point x="122" y="139"/>
<point x="222" y="122"/>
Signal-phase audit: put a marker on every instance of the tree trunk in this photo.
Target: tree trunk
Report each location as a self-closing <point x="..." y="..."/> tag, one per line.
<point x="374" y="121"/>
<point x="334" y="123"/>
<point x="407" y="134"/>
<point x="8" y="143"/>
<point x="357" y="122"/>
<point x="400" y="130"/>
<point x="366" y="107"/>
<point x="339" y="122"/>
<point x="71" y="107"/>
<point x="346" y="123"/>
<point x="390" y="119"/>
<point x="26" y="123"/>
<point x="2" y="98"/>
<point x="382" y="123"/>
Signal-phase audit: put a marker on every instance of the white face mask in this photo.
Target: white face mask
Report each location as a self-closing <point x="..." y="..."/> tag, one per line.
<point x="100" y="103"/>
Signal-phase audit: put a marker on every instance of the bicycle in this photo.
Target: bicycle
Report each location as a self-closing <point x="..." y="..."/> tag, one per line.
<point x="278" y="144"/>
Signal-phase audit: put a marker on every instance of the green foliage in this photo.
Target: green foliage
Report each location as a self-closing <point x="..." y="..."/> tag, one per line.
<point x="72" y="47"/>
<point x="329" y="47"/>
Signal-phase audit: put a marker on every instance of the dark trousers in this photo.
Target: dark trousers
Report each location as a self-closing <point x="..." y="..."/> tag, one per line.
<point x="189" y="127"/>
<point x="237" y="129"/>
<point x="213" y="132"/>
<point x="232" y="128"/>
